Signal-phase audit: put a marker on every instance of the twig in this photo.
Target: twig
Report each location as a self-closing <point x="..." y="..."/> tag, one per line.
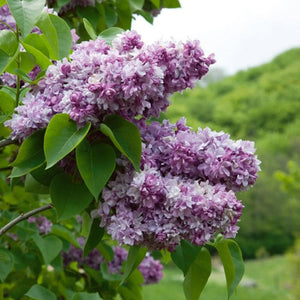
<point x="5" y="169"/>
<point x="6" y="142"/>
<point x="22" y="217"/>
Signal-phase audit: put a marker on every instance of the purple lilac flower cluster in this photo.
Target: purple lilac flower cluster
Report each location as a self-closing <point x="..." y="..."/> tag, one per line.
<point x="128" y="79"/>
<point x="43" y="224"/>
<point x="185" y="189"/>
<point x="150" y="268"/>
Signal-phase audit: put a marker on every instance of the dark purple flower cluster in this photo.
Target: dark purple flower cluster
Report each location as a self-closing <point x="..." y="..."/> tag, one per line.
<point x="184" y="191"/>
<point x="128" y="79"/>
<point x="43" y="224"/>
<point x="150" y="268"/>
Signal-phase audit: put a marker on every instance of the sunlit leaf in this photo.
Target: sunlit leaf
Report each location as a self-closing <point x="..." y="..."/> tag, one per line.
<point x="61" y="137"/>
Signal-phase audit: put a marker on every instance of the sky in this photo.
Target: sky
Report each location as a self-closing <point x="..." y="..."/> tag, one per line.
<point x="241" y="33"/>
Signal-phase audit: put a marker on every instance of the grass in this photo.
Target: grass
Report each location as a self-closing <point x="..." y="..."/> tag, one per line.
<point x="269" y="278"/>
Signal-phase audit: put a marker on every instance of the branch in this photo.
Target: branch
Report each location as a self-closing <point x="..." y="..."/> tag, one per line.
<point x="22" y="217"/>
<point x="7" y="142"/>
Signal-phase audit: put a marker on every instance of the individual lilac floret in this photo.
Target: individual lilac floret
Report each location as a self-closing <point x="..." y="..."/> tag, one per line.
<point x="150" y="268"/>
<point x="44" y="225"/>
<point x="205" y="155"/>
<point x="157" y="212"/>
<point x="128" y="79"/>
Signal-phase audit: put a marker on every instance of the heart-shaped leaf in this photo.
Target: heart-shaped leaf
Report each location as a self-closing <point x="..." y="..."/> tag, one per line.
<point x="135" y="255"/>
<point x="94" y="236"/>
<point x="68" y="198"/>
<point x="125" y="136"/>
<point x="6" y="263"/>
<point x="49" y="246"/>
<point x="197" y="275"/>
<point x="184" y="255"/>
<point x="39" y="292"/>
<point x="96" y="164"/>
<point x="30" y="156"/>
<point x="86" y="296"/>
<point x="61" y="137"/>
<point x="89" y="28"/>
<point x="57" y="35"/>
<point x="109" y="34"/>
<point x="26" y="13"/>
<point x="232" y="260"/>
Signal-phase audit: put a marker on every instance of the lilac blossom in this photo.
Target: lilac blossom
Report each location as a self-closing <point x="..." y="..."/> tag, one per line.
<point x="128" y="79"/>
<point x="150" y="268"/>
<point x="44" y="225"/>
<point x="157" y="212"/>
<point x="185" y="189"/>
<point x="202" y="155"/>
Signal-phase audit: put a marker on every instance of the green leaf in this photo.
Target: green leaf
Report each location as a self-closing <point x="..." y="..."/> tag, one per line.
<point x="39" y="292"/>
<point x="61" y="137"/>
<point x="135" y="255"/>
<point x="125" y="136"/>
<point x="94" y="236"/>
<point x="89" y="28"/>
<point x="184" y="255"/>
<point x="197" y="275"/>
<point x="30" y="155"/>
<point x="7" y="103"/>
<point x="39" y="42"/>
<point x="6" y="263"/>
<point x="49" y="246"/>
<point x="109" y="276"/>
<point x="8" y="42"/>
<point x="6" y="59"/>
<point x="26" y="13"/>
<point x="57" y="33"/>
<point x="111" y="16"/>
<point x="146" y="15"/>
<point x="171" y="4"/>
<point x="68" y="198"/>
<point x="156" y="3"/>
<point x="45" y="176"/>
<point x="109" y="34"/>
<point x="33" y="186"/>
<point x="124" y="13"/>
<point x="232" y="260"/>
<point x="27" y="63"/>
<point x="42" y="60"/>
<point x="106" y="251"/>
<point x="86" y="296"/>
<point x="2" y="2"/>
<point x="136" y="5"/>
<point x="132" y="288"/>
<point x="65" y="234"/>
<point x="96" y="164"/>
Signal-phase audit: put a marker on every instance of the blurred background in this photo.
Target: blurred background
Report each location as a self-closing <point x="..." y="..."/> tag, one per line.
<point x="252" y="92"/>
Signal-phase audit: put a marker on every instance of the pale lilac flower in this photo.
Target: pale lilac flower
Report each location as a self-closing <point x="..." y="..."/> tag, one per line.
<point x="128" y="79"/>
<point x="44" y="225"/>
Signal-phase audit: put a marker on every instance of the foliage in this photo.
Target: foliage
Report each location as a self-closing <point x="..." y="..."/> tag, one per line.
<point x="108" y="13"/>
<point x="261" y="103"/>
<point x="74" y="132"/>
